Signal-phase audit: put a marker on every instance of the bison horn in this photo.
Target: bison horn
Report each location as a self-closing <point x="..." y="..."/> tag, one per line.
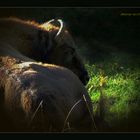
<point x="61" y="27"/>
<point x="52" y="20"/>
<point x="59" y="34"/>
<point x="55" y="34"/>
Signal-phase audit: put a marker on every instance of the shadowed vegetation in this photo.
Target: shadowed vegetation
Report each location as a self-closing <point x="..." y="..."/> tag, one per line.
<point x="114" y="89"/>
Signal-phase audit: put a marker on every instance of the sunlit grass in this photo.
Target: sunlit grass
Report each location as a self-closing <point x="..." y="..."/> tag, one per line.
<point x="119" y="84"/>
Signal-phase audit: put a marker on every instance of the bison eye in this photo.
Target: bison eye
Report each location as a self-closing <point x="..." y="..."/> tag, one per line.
<point x="72" y="50"/>
<point x="67" y="51"/>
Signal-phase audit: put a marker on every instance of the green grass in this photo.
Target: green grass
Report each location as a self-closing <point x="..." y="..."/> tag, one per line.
<point x="114" y="88"/>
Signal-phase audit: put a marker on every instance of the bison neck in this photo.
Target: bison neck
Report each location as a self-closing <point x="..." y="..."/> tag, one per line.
<point x="18" y="37"/>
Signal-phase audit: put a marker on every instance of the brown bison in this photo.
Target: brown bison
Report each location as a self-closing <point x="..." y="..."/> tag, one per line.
<point x="43" y="97"/>
<point x="49" y="43"/>
<point x="38" y="96"/>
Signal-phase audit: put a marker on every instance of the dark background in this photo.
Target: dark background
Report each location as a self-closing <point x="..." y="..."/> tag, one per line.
<point x="116" y="28"/>
<point x="98" y="31"/>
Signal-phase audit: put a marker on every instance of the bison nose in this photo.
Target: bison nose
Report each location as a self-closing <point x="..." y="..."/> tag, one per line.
<point x="85" y="73"/>
<point x="86" y="77"/>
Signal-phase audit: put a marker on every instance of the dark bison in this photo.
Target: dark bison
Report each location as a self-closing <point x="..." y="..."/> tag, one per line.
<point x="38" y="95"/>
<point x="49" y="43"/>
<point x="44" y="97"/>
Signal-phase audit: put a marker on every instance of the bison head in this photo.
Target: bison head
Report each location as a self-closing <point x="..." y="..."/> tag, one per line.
<point x="61" y="49"/>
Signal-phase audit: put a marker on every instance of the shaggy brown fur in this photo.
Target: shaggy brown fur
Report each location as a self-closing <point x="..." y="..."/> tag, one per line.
<point x="29" y="40"/>
<point x="40" y="97"/>
<point x="37" y="96"/>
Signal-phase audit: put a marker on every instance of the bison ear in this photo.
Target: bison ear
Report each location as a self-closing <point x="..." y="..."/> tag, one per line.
<point x="44" y="40"/>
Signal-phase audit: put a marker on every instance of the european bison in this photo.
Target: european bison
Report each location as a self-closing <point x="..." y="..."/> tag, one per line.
<point x="36" y="96"/>
<point x="49" y="42"/>
<point x="44" y="97"/>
